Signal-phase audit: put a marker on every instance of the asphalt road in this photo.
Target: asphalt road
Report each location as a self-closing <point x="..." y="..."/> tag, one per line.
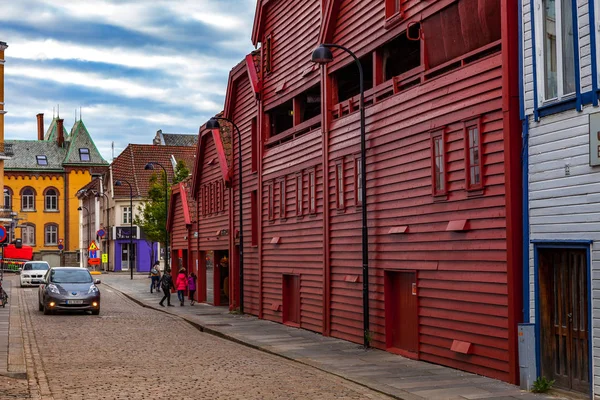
<point x="131" y="352"/>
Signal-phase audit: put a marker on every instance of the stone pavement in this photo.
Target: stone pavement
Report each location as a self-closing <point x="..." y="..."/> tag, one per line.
<point x="387" y="373"/>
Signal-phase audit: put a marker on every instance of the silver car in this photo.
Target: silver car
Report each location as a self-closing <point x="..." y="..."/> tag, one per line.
<point x="69" y="288"/>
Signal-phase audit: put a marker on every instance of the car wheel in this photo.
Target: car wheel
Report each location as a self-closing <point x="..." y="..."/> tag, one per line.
<point x="47" y="310"/>
<point x="40" y="306"/>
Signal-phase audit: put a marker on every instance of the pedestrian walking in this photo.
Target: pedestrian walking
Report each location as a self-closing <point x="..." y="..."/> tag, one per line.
<point x="181" y="285"/>
<point x="155" y="275"/>
<point x="166" y="283"/>
<point x="192" y="287"/>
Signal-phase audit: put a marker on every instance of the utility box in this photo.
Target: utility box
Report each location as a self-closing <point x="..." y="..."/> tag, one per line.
<point x="527" y="358"/>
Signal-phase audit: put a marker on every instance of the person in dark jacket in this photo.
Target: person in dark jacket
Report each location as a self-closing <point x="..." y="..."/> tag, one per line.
<point x="166" y="283"/>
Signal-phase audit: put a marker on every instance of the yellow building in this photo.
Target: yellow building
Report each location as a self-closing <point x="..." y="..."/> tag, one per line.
<point x="41" y="183"/>
<point x="3" y="150"/>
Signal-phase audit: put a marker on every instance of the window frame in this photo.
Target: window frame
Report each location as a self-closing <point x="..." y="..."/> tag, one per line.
<point x="268" y="53"/>
<point x="439" y="134"/>
<point x="41" y="157"/>
<point x="340" y="196"/>
<point x="357" y="181"/>
<point x="8" y="192"/>
<point x="540" y="55"/>
<point x="312" y="191"/>
<point x="33" y="195"/>
<point x="283" y="198"/>
<point x="393" y="12"/>
<point x="27" y="235"/>
<point x="271" y="201"/>
<point x="473" y="123"/>
<point x="126" y="211"/>
<point x="47" y="227"/>
<point x="46" y="197"/>
<point x="81" y="153"/>
<point x="299" y="179"/>
<point x="254" y="218"/>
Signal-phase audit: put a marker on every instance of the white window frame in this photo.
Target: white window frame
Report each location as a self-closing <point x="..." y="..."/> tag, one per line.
<point x="126" y="215"/>
<point x="51" y="232"/>
<point x="51" y="199"/>
<point x="540" y="60"/>
<point x="28" y="235"/>
<point x="25" y="203"/>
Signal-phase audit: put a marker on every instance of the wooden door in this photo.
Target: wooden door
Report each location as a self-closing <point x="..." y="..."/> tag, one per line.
<point x="564" y="317"/>
<point x="402" y="322"/>
<point x="291" y="300"/>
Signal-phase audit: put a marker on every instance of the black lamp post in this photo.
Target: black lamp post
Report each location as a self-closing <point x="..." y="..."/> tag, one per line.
<point x="213" y="123"/>
<point x="107" y="226"/>
<point x="88" y="221"/>
<point x="323" y="55"/>
<point x="120" y="183"/>
<point x="150" y="166"/>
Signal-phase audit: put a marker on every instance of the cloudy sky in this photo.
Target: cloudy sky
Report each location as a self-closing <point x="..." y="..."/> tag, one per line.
<point x="133" y="66"/>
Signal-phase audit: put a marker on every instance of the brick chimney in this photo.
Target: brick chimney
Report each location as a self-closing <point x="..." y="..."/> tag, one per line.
<point x="40" y="121"/>
<point x="60" y="136"/>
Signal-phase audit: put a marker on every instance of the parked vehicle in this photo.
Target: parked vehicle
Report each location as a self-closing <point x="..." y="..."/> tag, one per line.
<point x="3" y="296"/>
<point x="69" y="288"/>
<point x="32" y="272"/>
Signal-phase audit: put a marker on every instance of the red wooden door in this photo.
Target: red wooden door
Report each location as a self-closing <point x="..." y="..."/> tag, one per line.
<point x="291" y="299"/>
<point x="402" y="320"/>
<point x="564" y="317"/>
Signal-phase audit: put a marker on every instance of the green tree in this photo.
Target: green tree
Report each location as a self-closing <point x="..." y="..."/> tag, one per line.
<point x="152" y="213"/>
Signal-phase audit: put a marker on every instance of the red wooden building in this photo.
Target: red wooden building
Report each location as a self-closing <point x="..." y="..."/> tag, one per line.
<point x="442" y="169"/>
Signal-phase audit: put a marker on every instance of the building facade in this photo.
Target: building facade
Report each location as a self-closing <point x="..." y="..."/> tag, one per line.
<point x="561" y="125"/>
<point x="41" y="184"/>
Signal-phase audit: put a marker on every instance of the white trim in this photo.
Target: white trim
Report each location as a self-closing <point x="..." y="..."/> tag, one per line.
<point x="596" y="26"/>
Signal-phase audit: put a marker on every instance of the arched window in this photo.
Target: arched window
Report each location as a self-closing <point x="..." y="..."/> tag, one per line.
<point x="8" y="193"/>
<point x="28" y="234"/>
<point x="51" y="200"/>
<point x="50" y="235"/>
<point x="28" y="199"/>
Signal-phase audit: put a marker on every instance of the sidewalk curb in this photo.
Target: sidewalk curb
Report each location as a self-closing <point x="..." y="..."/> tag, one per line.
<point x="225" y="336"/>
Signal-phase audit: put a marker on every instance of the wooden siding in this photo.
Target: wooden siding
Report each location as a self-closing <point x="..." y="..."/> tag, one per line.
<point x="211" y="222"/>
<point x="300" y="250"/>
<point x="461" y="278"/>
<point x="294" y="27"/>
<point x="243" y="111"/>
<point x="565" y="207"/>
<point x="179" y="230"/>
<point x="527" y="57"/>
<point x="585" y="56"/>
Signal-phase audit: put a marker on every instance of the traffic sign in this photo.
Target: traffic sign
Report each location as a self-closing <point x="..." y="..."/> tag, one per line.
<point x="104" y="258"/>
<point x="60" y="246"/>
<point x="93" y="246"/>
<point x="94" y="261"/>
<point x="93" y="254"/>
<point x="61" y="241"/>
<point x="101" y="233"/>
<point x="3" y="235"/>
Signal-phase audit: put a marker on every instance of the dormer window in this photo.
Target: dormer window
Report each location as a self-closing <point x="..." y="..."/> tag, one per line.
<point x="84" y="154"/>
<point x="41" y="160"/>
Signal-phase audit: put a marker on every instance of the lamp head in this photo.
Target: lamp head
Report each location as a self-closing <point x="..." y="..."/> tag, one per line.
<point x="79" y="208"/>
<point x="149" y="166"/>
<point x="322" y="55"/>
<point x="213" y="123"/>
<point x="118" y="183"/>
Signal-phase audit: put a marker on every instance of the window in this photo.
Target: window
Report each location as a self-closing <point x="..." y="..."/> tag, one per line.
<point x="8" y="198"/>
<point x="283" y="198"/>
<point x="312" y="192"/>
<point x="28" y="234"/>
<point x="299" y="194"/>
<point x="126" y="214"/>
<point x="271" y="201"/>
<point x="213" y="198"/>
<point x="347" y="78"/>
<point x="254" y="207"/>
<point x="401" y="54"/>
<point x="281" y="118"/>
<point x="84" y="154"/>
<point x="392" y="8"/>
<point x="51" y="200"/>
<point x="222" y="195"/>
<point x="473" y="155"/>
<point x="28" y="199"/>
<point x="268" y="53"/>
<point x="438" y="163"/>
<point x="254" y="145"/>
<point x="51" y="235"/>
<point x="41" y="160"/>
<point x="555" y="48"/>
<point x="358" y="181"/>
<point x="339" y="184"/>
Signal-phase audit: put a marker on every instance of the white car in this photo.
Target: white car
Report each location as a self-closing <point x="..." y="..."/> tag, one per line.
<point x="33" y="272"/>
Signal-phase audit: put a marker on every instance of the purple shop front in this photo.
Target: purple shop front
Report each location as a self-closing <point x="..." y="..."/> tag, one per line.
<point x="144" y="253"/>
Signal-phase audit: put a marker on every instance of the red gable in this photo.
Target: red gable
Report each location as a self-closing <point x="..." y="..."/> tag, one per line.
<point x="225" y="170"/>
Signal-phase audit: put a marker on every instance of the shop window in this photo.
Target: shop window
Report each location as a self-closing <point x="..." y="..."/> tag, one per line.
<point x="282" y="198"/>
<point x="339" y="185"/>
<point x="438" y="163"/>
<point x="281" y="118"/>
<point x="473" y="155"/>
<point x="401" y="54"/>
<point x="299" y="194"/>
<point x="347" y="78"/>
<point x="357" y="181"/>
<point x="254" y="145"/>
<point x="254" y="208"/>
<point x="312" y="192"/>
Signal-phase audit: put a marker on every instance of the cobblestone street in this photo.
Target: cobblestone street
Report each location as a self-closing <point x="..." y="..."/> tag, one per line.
<point x="131" y="352"/>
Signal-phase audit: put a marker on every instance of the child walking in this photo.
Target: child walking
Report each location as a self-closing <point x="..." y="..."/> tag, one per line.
<point x="192" y="287"/>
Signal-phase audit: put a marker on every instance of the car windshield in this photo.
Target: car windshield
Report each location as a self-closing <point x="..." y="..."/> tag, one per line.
<point x="70" y="276"/>
<point x="35" y="267"/>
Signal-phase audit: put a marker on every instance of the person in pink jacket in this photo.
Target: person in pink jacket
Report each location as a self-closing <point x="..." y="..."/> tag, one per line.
<point x="181" y="285"/>
<point x="192" y="287"/>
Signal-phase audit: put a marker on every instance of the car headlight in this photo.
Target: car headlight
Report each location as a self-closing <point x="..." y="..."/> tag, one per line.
<point x="53" y="289"/>
<point x="93" y="289"/>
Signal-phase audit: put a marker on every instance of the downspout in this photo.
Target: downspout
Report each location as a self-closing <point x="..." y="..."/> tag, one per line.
<point x="66" y="215"/>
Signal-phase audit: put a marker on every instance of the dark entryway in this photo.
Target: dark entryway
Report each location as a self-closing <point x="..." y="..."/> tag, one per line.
<point x="563" y="304"/>
<point x="401" y="318"/>
<point x="291" y="300"/>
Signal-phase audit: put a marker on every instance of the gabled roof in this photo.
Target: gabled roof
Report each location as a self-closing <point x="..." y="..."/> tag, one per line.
<point x="175" y="139"/>
<point x="183" y="192"/>
<point x="25" y="152"/>
<point x="51" y="132"/>
<point x="222" y="142"/>
<point x="129" y="166"/>
<point x="81" y="139"/>
<point x="257" y="28"/>
<point x="246" y="67"/>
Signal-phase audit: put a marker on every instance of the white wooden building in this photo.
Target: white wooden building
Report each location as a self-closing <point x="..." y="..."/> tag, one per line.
<point x="562" y="203"/>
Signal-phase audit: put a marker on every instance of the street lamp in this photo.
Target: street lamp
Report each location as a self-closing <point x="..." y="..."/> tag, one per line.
<point x="88" y="221"/>
<point x="107" y="226"/>
<point x="323" y="55"/>
<point x="120" y="183"/>
<point x="150" y="166"/>
<point x="213" y="123"/>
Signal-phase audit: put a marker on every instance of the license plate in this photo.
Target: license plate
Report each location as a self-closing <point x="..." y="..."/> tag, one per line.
<point x="74" y="301"/>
